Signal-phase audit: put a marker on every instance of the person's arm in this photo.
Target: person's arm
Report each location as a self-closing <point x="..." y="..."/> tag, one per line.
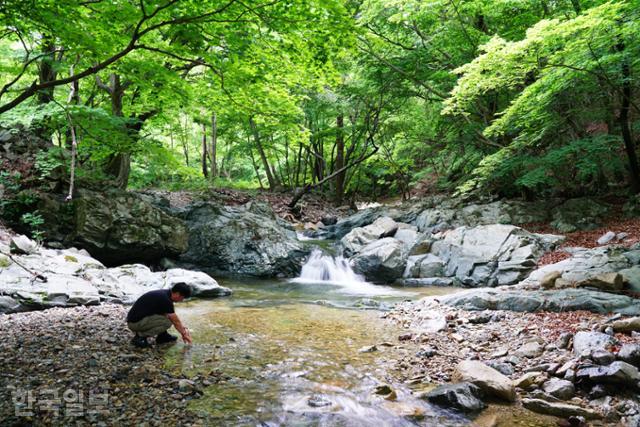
<point x="186" y="336"/>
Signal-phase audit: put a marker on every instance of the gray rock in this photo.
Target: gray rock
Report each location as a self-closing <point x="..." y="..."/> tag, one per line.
<point x="578" y="214"/>
<point x="598" y="391"/>
<point x="586" y="343"/>
<point x="8" y="305"/>
<point x="530" y="350"/>
<point x="558" y="409"/>
<point x="631" y="277"/>
<point x="426" y="352"/>
<point x="381" y="261"/>
<point x="561" y="389"/>
<point x="202" y="285"/>
<point x="246" y="239"/>
<point x="502" y="367"/>
<point x="531" y="301"/>
<point x="602" y="357"/>
<point x="630" y="353"/>
<point x="462" y="396"/>
<point x="565" y="367"/>
<point x="583" y="265"/>
<point x="481" y="318"/>
<point x="431" y="281"/>
<point x="23" y="245"/>
<point x="408" y="236"/>
<point x="318" y="401"/>
<point x="75" y="278"/>
<point x="186" y="385"/>
<point x="488" y="255"/>
<point x="606" y="238"/>
<point x="488" y="379"/>
<point x="360" y="237"/>
<point x="616" y="373"/>
<point x="423" y="266"/>
<point x="118" y="227"/>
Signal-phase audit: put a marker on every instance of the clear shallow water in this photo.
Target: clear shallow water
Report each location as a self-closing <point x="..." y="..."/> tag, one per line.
<point x="290" y="355"/>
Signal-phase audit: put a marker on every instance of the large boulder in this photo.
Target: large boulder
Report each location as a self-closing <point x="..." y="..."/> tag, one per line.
<point x="588" y="267"/>
<point x="360" y="237"/>
<point x="451" y="213"/>
<point x="489" y="255"/>
<point x="383" y="260"/>
<point x="247" y="239"/>
<point x="530" y="301"/>
<point x="72" y="277"/>
<point x="116" y="227"/>
<point x="578" y="214"/>
<point x="424" y="266"/>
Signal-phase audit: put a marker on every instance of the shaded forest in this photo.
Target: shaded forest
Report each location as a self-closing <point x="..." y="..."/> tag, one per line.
<point x="354" y="99"/>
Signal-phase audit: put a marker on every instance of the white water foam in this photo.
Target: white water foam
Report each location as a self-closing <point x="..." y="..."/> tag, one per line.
<point x="328" y="270"/>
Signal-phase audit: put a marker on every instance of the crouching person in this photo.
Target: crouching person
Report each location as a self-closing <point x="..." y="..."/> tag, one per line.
<point x="153" y="314"/>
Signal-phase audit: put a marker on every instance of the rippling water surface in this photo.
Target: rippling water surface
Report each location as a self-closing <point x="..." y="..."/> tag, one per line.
<point x="290" y="355"/>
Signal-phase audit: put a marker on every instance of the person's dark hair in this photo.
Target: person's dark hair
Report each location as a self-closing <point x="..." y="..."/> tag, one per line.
<point x="182" y="288"/>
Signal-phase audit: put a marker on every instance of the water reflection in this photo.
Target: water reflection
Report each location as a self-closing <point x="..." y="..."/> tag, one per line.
<point x="287" y="360"/>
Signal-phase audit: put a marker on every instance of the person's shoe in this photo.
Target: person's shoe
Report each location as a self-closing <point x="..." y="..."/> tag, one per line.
<point x="165" y="337"/>
<point x="140" y="342"/>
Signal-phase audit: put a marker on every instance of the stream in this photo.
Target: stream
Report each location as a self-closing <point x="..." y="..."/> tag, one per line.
<point x="289" y="353"/>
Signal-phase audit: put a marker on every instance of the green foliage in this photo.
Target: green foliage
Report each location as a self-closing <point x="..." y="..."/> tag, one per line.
<point x="48" y="161"/>
<point x="483" y="95"/>
<point x="17" y="205"/>
<point x="33" y="221"/>
<point x="558" y="78"/>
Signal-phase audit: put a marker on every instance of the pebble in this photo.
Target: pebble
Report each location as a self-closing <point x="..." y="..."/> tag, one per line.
<point x="543" y="342"/>
<point x="36" y="355"/>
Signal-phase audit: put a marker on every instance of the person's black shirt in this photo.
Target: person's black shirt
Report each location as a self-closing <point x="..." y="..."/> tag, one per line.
<point x="153" y="302"/>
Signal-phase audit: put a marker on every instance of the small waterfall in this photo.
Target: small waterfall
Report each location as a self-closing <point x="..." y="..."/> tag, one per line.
<point x="324" y="268"/>
<point x="336" y="271"/>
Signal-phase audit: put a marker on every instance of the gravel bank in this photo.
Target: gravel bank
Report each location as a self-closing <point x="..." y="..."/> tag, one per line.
<point x="439" y="337"/>
<point x="77" y="366"/>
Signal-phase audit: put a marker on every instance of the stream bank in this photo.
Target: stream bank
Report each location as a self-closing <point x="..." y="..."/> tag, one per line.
<point x="274" y="353"/>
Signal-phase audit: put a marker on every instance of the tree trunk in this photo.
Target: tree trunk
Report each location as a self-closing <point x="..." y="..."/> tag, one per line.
<point x="256" y="168"/>
<point x="624" y="123"/>
<point x="205" y="170"/>
<point x="46" y="70"/>
<point x="119" y="164"/>
<point x="185" y="139"/>
<point x="339" y="159"/>
<point x="119" y="167"/>
<point x="263" y="156"/>
<point x="298" y="164"/>
<point x="308" y="187"/>
<point x="213" y="148"/>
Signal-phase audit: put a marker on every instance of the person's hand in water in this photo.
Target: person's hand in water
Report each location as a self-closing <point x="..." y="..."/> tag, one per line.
<point x="186" y="337"/>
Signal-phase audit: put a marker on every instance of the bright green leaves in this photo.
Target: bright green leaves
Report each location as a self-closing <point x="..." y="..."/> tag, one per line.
<point x="565" y="74"/>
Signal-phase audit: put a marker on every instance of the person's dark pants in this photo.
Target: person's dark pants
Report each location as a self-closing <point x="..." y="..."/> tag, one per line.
<point x="151" y="325"/>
